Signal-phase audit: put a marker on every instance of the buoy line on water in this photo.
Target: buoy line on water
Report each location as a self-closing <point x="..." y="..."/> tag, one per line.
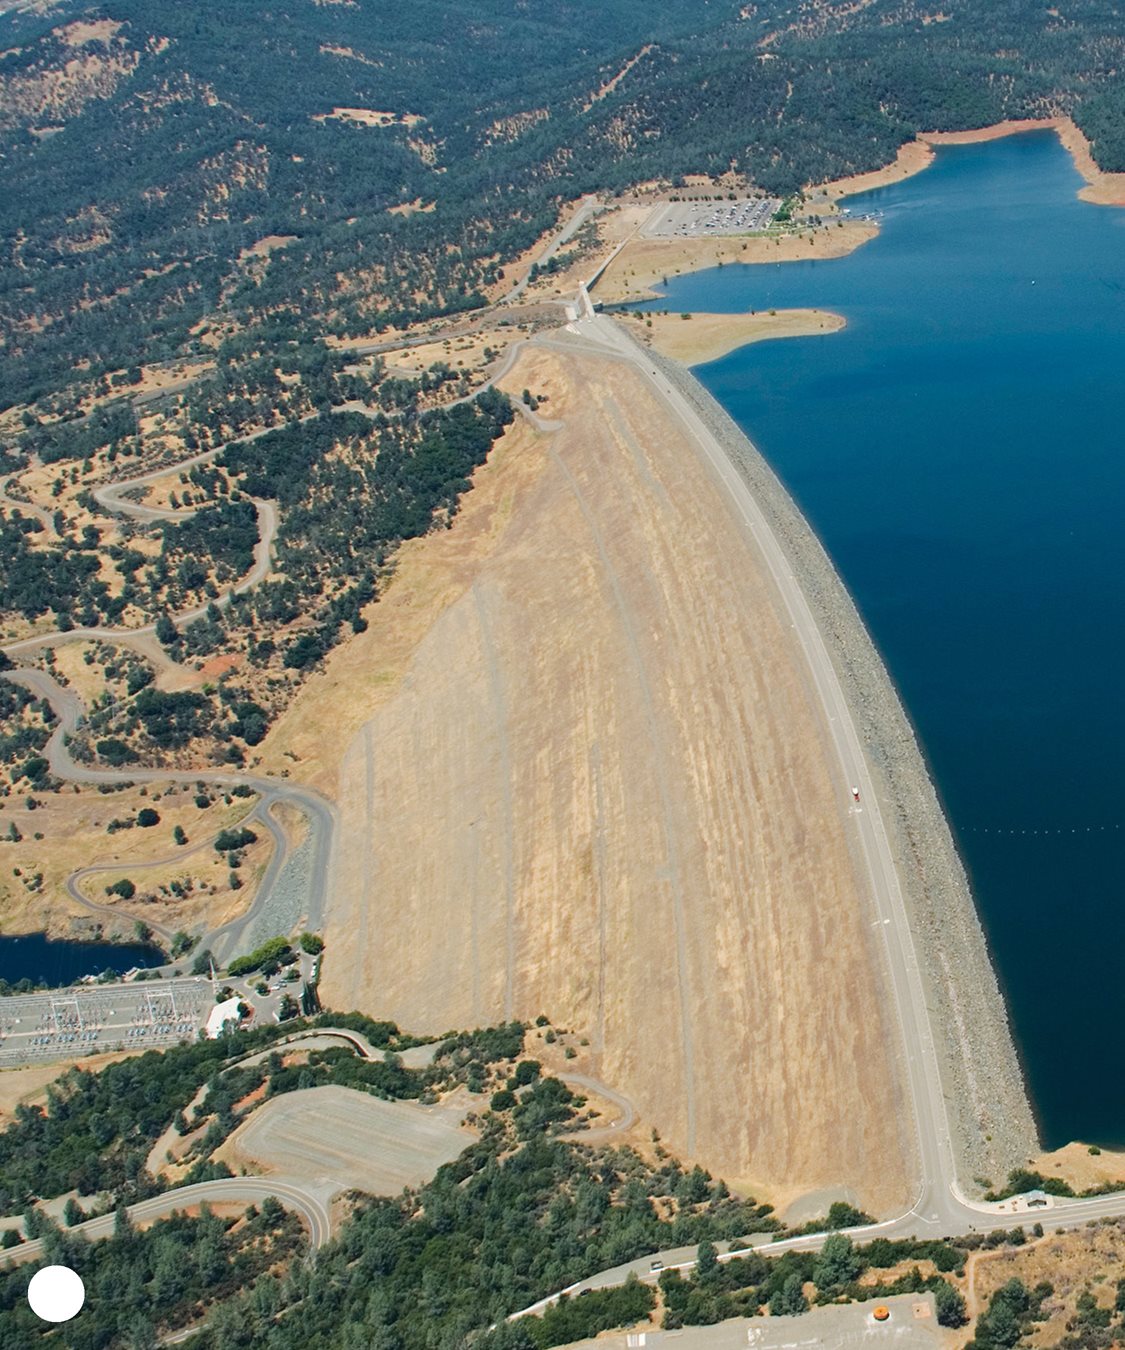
<point x="1053" y="830"/>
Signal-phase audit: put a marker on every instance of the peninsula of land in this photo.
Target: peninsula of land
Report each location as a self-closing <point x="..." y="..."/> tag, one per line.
<point x="641" y="264"/>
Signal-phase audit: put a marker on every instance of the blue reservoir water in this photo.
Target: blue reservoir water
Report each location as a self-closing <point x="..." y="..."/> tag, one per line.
<point x="959" y="451"/>
<point x="54" y="964"/>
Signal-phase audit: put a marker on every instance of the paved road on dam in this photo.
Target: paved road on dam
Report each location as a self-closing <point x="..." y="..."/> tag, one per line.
<point x="940" y="1207"/>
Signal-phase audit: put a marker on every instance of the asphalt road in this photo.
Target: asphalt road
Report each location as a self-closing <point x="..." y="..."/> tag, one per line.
<point x="267" y="529"/>
<point x="321" y="814"/>
<point x="259" y="814"/>
<point x="590" y="207"/>
<point x="234" y="1190"/>
<point x="940" y="1208"/>
<point x="114" y="497"/>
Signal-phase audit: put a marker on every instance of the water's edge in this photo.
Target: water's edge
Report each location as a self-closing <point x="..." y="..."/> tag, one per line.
<point x="990" y="1114"/>
<point x="61" y="962"/>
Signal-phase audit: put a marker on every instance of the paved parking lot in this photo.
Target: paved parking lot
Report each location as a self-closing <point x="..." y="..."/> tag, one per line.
<point x="700" y="220"/>
<point x="910" y="1326"/>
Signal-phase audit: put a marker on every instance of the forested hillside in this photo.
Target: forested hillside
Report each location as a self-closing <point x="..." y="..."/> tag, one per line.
<point x="147" y="145"/>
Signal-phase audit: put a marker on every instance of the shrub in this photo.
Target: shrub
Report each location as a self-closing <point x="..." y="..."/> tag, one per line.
<point x="790" y="1299"/>
<point x="268" y="952"/>
<point x="527" y="1071"/>
<point x="950" y="1306"/>
<point x="841" y="1215"/>
<point x="228" y="840"/>
<point x="114" y="751"/>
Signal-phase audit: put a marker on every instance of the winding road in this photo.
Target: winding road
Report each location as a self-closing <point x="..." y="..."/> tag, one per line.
<point x="940" y="1207"/>
<point x="267" y="529"/>
<point x="259" y="813"/>
<point x="312" y="1208"/>
<point x="321" y="813"/>
<point x="70" y="712"/>
<point x="40" y="513"/>
<point x="310" y="1200"/>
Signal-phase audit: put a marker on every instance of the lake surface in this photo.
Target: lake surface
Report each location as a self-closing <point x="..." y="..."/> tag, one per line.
<point x="958" y="449"/>
<point x="37" y="958"/>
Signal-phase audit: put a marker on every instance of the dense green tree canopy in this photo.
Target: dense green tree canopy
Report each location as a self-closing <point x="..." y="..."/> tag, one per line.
<point x="212" y="127"/>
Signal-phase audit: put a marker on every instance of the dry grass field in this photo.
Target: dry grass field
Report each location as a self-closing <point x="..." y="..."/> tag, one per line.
<point x="1089" y="1258"/>
<point x="73" y="824"/>
<point x="707" y="337"/>
<point x="581" y="771"/>
<point x="360" y="1141"/>
<point x="1081" y="1168"/>
<point x="644" y="263"/>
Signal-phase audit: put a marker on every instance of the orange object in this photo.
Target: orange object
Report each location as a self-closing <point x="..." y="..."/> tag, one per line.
<point x="881" y="1313"/>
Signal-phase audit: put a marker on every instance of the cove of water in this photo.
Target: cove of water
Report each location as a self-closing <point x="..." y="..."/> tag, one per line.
<point x="36" y="957"/>
<point x="958" y="450"/>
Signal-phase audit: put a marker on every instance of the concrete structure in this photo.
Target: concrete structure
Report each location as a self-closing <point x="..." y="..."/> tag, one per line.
<point x="92" y="1018"/>
<point x="221" y="1016"/>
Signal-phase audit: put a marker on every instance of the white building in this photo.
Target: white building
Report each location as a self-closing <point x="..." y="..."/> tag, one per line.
<point x="223" y="1016"/>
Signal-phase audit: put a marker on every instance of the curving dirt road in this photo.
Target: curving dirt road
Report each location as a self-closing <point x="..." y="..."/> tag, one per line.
<point x="600" y="1133"/>
<point x="321" y="813"/>
<point x="70" y="712"/>
<point x="41" y="514"/>
<point x="267" y="529"/>
<point x="259" y="813"/>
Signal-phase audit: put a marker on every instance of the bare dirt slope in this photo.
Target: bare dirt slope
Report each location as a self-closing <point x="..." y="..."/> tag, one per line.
<point x="598" y="788"/>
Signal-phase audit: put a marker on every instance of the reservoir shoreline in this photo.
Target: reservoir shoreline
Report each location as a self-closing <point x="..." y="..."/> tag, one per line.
<point x="642" y="263"/>
<point x="990" y="1115"/>
<point x="920" y="315"/>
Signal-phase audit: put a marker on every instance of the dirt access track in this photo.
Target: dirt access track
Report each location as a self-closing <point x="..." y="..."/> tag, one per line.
<point x="584" y="773"/>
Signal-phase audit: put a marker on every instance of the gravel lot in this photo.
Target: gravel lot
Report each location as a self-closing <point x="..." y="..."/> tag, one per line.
<point x="359" y="1141"/>
<point x="990" y="1116"/>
